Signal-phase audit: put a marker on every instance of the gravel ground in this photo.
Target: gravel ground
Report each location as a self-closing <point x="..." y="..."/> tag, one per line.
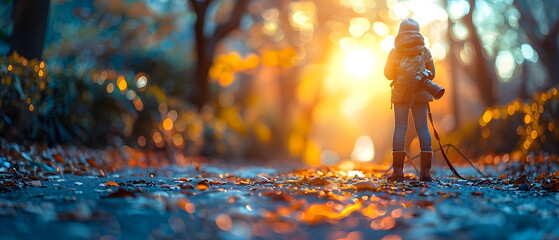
<point x="211" y="202"/>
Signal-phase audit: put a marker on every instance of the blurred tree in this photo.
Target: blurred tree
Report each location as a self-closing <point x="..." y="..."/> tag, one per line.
<point x="206" y="45"/>
<point x="5" y="25"/>
<point x="482" y="71"/>
<point x="108" y="34"/>
<point x="30" y="22"/>
<point x="454" y="69"/>
<point x="545" y="44"/>
<point x="91" y="96"/>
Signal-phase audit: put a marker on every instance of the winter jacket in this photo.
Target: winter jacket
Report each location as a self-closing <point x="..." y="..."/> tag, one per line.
<point x="409" y="42"/>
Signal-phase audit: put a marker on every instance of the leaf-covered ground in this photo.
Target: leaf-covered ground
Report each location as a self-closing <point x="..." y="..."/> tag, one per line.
<point x="209" y="201"/>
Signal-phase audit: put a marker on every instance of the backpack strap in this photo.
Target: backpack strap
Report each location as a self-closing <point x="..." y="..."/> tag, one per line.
<point x="438" y="138"/>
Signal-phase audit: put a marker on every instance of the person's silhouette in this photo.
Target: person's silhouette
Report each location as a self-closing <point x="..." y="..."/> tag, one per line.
<point x="409" y="58"/>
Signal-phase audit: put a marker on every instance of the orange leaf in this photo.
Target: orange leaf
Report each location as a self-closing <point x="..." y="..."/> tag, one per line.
<point x="111" y="183"/>
<point x="58" y="158"/>
<point x="522" y="179"/>
<point x="92" y="163"/>
<point x="202" y="186"/>
<point x="366" y="186"/>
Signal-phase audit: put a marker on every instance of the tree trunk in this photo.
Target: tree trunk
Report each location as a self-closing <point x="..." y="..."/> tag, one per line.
<point x="484" y="73"/>
<point x="287" y="81"/>
<point x="545" y="45"/>
<point x="453" y="70"/>
<point x="202" y="94"/>
<point x="549" y="44"/>
<point x="30" y="23"/>
<point x="206" y="45"/>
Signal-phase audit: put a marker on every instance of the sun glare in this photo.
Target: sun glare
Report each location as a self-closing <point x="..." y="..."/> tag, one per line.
<point x="364" y="149"/>
<point x="359" y="62"/>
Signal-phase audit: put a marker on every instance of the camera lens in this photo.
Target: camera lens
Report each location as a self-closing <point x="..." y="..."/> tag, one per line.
<point x="432" y="88"/>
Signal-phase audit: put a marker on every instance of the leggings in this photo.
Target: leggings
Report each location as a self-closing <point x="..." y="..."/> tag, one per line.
<point x="419" y="113"/>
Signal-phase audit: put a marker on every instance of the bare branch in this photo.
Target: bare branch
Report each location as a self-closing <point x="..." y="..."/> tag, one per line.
<point x="206" y="45"/>
<point x="234" y="20"/>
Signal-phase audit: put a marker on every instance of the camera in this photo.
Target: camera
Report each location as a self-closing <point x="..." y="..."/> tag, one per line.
<point x="432" y="88"/>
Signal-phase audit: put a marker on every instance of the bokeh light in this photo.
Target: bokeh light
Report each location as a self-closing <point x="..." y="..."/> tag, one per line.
<point x="505" y="65"/>
<point x="364" y="149"/>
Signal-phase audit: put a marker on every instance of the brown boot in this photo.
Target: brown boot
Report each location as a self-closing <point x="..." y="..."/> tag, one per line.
<point x="397" y="166"/>
<point x="425" y="167"/>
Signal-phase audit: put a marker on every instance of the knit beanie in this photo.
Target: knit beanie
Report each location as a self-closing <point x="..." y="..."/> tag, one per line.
<point x="408" y="25"/>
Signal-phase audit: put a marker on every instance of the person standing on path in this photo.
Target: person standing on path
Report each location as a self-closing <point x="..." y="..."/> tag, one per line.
<point x="406" y="60"/>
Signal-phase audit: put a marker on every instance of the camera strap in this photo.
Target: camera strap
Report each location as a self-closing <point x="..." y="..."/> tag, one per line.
<point x="440" y="145"/>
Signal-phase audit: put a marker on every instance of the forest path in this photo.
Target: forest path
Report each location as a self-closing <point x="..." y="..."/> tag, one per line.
<point x="211" y="202"/>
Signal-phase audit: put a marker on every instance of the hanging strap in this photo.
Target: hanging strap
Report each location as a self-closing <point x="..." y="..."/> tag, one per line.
<point x="440" y="145"/>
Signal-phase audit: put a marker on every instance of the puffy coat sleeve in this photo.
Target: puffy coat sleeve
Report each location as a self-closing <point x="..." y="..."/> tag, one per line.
<point x="391" y="67"/>
<point x="429" y="64"/>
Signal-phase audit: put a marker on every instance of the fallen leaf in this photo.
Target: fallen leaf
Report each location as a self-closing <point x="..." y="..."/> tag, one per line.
<point x="35" y="183"/>
<point x="58" y="158"/>
<point x="278" y="196"/>
<point x="111" y="184"/>
<point x="232" y="199"/>
<point x="9" y="184"/>
<point x="122" y="193"/>
<point x="317" y="181"/>
<point x="366" y="186"/>
<point x="477" y="193"/>
<point x="424" y="203"/>
<point x="549" y="186"/>
<point x="202" y="185"/>
<point x="92" y="163"/>
<point x="520" y="180"/>
<point x="217" y="183"/>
